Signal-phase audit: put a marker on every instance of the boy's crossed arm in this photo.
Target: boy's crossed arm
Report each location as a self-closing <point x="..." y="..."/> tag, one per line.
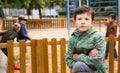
<point x="92" y="53"/>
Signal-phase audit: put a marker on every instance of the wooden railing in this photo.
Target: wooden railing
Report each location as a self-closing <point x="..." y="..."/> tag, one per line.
<point x="1" y="26"/>
<point x="48" y="56"/>
<point x="48" y="23"/>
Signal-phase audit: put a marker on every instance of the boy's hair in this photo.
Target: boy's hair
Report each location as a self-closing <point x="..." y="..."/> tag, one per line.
<point x="112" y="15"/>
<point x="16" y="26"/>
<point x="83" y="9"/>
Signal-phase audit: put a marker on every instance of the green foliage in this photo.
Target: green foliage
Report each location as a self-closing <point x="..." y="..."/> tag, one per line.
<point x="62" y="12"/>
<point x="30" y="4"/>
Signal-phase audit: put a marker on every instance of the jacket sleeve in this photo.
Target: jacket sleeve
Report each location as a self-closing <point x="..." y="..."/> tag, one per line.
<point x="2" y="33"/>
<point x="69" y="54"/>
<point x="12" y="36"/>
<point x="95" y="62"/>
<point x="24" y="32"/>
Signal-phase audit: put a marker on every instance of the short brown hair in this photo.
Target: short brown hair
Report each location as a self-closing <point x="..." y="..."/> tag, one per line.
<point x="83" y="9"/>
<point x="112" y="15"/>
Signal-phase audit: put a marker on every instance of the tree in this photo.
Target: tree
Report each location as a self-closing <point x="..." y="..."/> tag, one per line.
<point x="30" y="4"/>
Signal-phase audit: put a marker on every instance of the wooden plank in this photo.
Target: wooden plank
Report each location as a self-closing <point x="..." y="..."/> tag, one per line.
<point x="42" y="56"/>
<point x="70" y="70"/>
<point x="111" y="54"/>
<point x="54" y="55"/>
<point x="10" y="56"/>
<point x="33" y="56"/>
<point x="45" y="55"/>
<point x="62" y="53"/>
<point x="40" y="64"/>
<point x="62" y="23"/>
<point x="16" y="44"/>
<point x="3" y="45"/>
<point x="119" y="54"/>
<point x="22" y="56"/>
<point x="46" y="23"/>
<point x="1" y="25"/>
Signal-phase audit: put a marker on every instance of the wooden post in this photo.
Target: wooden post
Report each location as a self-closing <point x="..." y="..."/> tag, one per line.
<point x="40" y="64"/>
<point x="45" y="55"/>
<point x="54" y="55"/>
<point x="42" y="56"/>
<point x="111" y="53"/>
<point x="10" y="57"/>
<point x="33" y="56"/>
<point x="62" y="53"/>
<point x="119" y="54"/>
<point x="62" y="23"/>
<point x="22" y="56"/>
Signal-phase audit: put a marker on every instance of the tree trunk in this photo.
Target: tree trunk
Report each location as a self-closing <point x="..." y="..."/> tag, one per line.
<point x="28" y="13"/>
<point x="1" y="13"/>
<point x="40" y="14"/>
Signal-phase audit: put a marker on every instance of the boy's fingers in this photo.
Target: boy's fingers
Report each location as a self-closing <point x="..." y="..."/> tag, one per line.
<point x="93" y="53"/>
<point x="74" y="56"/>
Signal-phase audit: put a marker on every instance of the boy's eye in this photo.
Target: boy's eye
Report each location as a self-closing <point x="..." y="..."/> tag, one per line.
<point x="79" y="18"/>
<point x="86" y="19"/>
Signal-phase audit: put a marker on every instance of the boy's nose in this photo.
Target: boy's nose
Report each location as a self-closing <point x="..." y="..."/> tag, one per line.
<point x="83" y="21"/>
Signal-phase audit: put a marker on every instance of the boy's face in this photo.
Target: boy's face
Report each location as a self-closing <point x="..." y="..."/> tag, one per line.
<point x="110" y="19"/>
<point x="83" y="22"/>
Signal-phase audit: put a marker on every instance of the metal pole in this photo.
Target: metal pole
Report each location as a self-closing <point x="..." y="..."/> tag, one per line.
<point x="119" y="15"/>
<point x="67" y="17"/>
<point x="79" y="3"/>
<point x="87" y="3"/>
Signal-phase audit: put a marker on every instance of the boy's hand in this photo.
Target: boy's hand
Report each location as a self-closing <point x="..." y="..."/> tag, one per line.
<point x="93" y="53"/>
<point x="74" y="56"/>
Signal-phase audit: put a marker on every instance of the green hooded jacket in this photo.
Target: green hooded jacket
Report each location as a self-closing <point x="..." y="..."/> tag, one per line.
<point x="82" y="43"/>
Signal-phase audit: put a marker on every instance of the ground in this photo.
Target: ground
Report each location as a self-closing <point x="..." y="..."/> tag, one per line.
<point x="52" y="33"/>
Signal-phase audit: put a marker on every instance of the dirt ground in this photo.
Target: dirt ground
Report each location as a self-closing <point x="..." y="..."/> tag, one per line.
<point x="52" y="33"/>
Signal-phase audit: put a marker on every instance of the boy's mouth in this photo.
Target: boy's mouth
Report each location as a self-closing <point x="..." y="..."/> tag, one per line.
<point x="82" y="26"/>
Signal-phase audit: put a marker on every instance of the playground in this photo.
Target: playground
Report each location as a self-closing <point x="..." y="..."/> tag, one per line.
<point x="57" y="33"/>
<point x="55" y="29"/>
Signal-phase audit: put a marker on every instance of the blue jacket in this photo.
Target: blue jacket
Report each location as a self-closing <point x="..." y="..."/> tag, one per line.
<point x="23" y="34"/>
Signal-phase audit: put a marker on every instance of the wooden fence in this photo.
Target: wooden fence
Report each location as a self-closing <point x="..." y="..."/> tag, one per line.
<point x="48" y="56"/>
<point x="47" y="23"/>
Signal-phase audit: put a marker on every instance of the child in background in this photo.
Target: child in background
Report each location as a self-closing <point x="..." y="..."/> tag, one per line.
<point x="7" y="35"/>
<point x="23" y="33"/>
<point x="111" y="30"/>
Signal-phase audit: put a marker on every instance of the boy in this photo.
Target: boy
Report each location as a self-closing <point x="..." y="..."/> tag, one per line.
<point x="111" y="30"/>
<point x="86" y="46"/>
<point x="22" y="34"/>
<point x="9" y="35"/>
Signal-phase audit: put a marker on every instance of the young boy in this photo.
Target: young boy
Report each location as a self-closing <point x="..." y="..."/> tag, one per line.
<point x="22" y="34"/>
<point x="86" y="46"/>
<point x="9" y="35"/>
<point x="111" y="30"/>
